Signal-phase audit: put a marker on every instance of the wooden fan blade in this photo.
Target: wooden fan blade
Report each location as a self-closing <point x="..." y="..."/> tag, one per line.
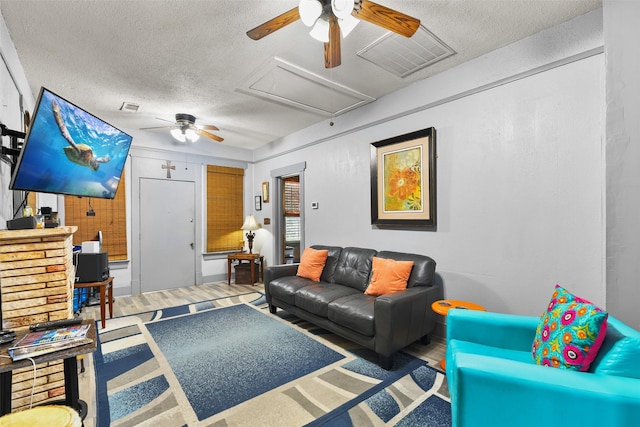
<point x="389" y="19"/>
<point x="209" y="135"/>
<point x="159" y="127"/>
<point x="208" y="127"/>
<point x="332" y="57"/>
<point x="274" y="24"/>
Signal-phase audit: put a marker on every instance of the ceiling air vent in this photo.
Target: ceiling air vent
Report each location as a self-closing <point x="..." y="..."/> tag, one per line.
<point x="403" y="56"/>
<point x="129" y="106"/>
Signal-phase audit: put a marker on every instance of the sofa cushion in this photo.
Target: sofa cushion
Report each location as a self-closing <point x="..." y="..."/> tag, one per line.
<point x="388" y="275"/>
<point x="354" y="268"/>
<point x="570" y="332"/>
<point x="312" y="263"/>
<point x="619" y="352"/>
<point x="354" y="312"/>
<point x="458" y="346"/>
<point x="330" y="264"/>
<point x="424" y="267"/>
<point x="316" y="297"/>
<point x="285" y="288"/>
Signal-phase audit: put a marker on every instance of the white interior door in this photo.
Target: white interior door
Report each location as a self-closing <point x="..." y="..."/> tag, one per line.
<point x="167" y="234"/>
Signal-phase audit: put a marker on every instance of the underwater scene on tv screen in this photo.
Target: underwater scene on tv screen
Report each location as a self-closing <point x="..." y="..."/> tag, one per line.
<point x="69" y="151"/>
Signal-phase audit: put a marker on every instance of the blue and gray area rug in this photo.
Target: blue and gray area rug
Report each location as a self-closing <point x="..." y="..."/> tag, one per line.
<point x="228" y="362"/>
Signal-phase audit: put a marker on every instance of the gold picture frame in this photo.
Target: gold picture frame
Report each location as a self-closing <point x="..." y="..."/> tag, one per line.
<point x="403" y="181"/>
<point x="265" y="192"/>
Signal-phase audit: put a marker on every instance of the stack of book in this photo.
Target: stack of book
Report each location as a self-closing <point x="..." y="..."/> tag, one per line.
<point x="42" y="342"/>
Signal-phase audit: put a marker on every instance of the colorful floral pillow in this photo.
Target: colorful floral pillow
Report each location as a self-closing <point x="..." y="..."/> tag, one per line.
<point x="570" y="332"/>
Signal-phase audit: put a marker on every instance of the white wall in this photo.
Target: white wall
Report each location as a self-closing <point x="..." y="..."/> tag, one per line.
<point x="10" y="116"/>
<point x="147" y="163"/>
<point x="621" y="32"/>
<point x="519" y="174"/>
<point x="13" y="86"/>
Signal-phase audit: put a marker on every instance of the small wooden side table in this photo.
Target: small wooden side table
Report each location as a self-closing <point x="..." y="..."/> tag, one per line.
<point x="106" y="294"/>
<point x="443" y="306"/>
<point x="252" y="260"/>
<point x="70" y="363"/>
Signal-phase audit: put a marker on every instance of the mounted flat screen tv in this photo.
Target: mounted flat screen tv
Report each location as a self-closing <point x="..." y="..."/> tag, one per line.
<point x="70" y="151"/>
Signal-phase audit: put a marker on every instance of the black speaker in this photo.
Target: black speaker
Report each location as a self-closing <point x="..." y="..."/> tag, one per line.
<point x="26" y="223"/>
<point x="92" y="267"/>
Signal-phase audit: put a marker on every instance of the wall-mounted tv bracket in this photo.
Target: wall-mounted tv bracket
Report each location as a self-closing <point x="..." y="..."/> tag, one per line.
<point x="10" y="154"/>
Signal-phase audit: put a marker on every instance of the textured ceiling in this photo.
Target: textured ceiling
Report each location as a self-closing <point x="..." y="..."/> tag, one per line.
<point x="192" y="56"/>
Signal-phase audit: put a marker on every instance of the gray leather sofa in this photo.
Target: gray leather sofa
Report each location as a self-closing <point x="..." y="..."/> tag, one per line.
<point x="384" y="324"/>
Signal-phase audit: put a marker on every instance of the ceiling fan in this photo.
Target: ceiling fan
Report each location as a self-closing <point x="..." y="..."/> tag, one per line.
<point x="328" y="18"/>
<point x="185" y="129"/>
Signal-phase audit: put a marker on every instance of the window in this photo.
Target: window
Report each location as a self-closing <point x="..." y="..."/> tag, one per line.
<point x="292" y="228"/>
<point x="224" y="208"/>
<point x="110" y="218"/>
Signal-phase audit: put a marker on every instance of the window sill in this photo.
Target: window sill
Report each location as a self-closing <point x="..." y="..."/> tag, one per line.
<point x="121" y="264"/>
<point x="207" y="256"/>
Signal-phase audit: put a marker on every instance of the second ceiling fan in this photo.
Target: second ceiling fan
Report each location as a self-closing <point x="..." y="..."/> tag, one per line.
<point x="328" y="18"/>
<point x="185" y="129"/>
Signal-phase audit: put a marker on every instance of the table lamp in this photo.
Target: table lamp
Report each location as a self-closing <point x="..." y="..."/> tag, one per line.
<point x="250" y="225"/>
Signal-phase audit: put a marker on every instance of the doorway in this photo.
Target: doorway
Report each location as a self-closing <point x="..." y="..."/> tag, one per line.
<point x="167" y="234"/>
<point x="288" y="213"/>
<point x="291" y="235"/>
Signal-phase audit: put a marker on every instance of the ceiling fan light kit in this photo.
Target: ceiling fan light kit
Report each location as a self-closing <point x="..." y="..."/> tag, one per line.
<point x="184" y="135"/>
<point x="314" y="14"/>
<point x="329" y="18"/>
<point x="185" y="129"/>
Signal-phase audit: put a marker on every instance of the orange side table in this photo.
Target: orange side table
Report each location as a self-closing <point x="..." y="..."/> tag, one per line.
<point x="443" y="306"/>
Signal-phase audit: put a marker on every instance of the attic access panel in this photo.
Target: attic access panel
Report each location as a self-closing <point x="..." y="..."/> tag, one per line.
<point x="288" y="84"/>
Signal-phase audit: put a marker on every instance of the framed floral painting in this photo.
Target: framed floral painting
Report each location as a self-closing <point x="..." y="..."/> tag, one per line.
<point x="403" y="181"/>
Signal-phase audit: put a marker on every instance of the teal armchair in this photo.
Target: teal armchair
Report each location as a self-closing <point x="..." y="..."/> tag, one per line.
<point x="493" y="380"/>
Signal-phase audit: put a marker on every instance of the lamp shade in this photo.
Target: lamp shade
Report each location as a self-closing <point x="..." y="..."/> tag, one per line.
<point x="320" y="31"/>
<point x="309" y="10"/>
<point x="177" y="134"/>
<point x="191" y="135"/>
<point x="347" y="24"/>
<point x="342" y="8"/>
<point x="250" y="223"/>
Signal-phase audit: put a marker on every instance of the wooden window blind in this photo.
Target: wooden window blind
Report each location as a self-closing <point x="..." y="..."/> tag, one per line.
<point x="110" y="218"/>
<point x="225" y="187"/>
<point x="291" y="209"/>
<point x="292" y="196"/>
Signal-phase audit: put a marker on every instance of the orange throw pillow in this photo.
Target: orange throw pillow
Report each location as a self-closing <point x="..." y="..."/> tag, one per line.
<point x="388" y="275"/>
<point x="312" y="263"/>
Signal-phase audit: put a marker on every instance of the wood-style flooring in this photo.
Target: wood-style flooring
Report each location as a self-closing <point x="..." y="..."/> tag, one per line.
<point x="124" y="306"/>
